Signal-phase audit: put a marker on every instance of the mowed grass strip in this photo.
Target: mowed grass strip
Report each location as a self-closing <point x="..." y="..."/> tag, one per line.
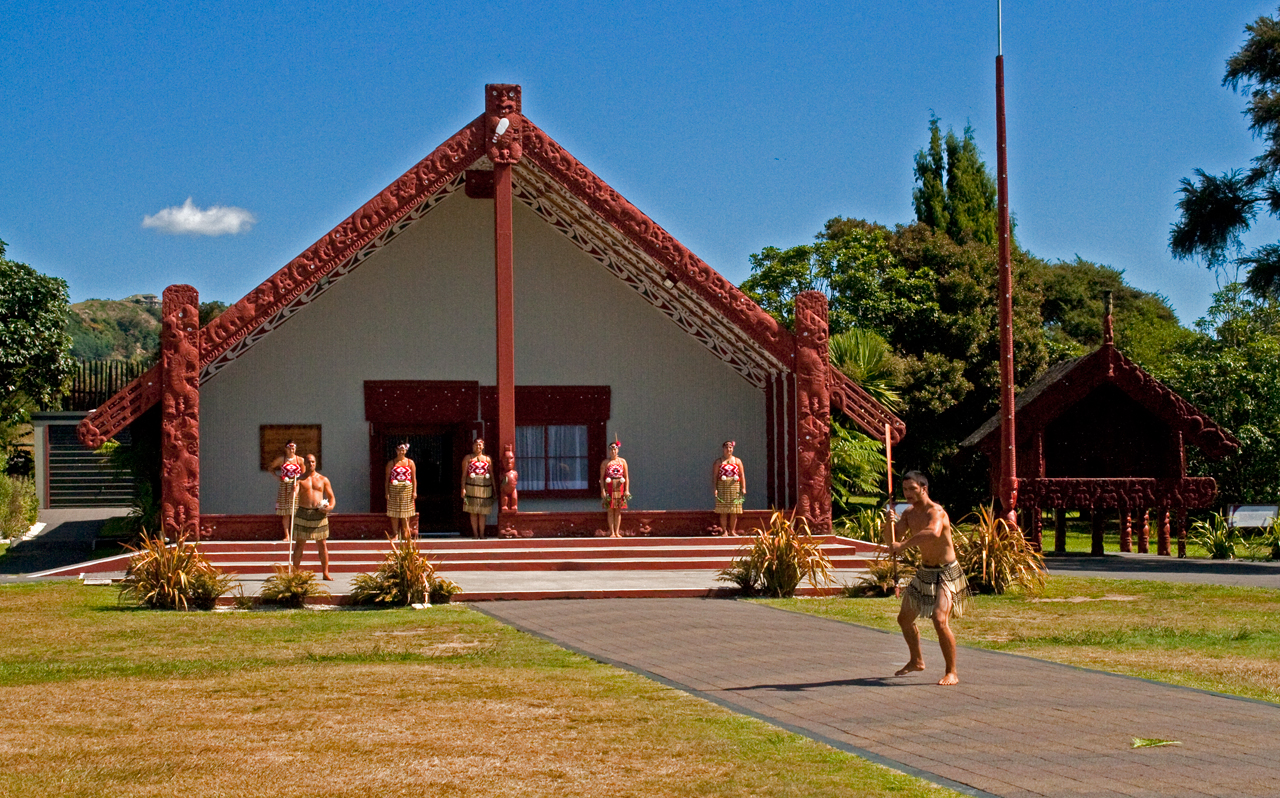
<point x="103" y="700"/>
<point x="1225" y="639"/>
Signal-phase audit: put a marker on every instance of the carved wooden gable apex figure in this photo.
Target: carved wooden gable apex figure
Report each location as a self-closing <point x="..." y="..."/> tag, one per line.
<point x="504" y="126"/>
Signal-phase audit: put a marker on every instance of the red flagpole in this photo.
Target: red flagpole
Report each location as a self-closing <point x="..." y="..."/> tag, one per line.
<point x="1008" y="486"/>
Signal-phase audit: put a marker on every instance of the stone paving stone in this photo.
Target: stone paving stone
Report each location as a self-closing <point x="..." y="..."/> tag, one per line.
<point x="1015" y="726"/>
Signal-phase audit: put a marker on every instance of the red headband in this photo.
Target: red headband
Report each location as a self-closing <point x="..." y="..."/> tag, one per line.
<point x="616" y="443"/>
<point x="729" y="443"/>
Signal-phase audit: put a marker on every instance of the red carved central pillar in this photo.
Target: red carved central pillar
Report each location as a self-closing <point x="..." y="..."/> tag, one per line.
<point x="813" y="412"/>
<point x="180" y="412"/>
<point x="503" y="127"/>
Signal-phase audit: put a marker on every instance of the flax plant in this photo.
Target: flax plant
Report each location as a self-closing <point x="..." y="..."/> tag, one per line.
<point x="405" y="577"/>
<point x="291" y="588"/>
<point x="778" y="558"/>
<point x="996" y="556"/>
<point x="175" y="577"/>
<point x="1216" y="537"/>
<point x="884" y="575"/>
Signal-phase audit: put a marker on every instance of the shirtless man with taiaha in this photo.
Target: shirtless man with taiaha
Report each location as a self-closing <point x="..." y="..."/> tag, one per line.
<point x="311" y="519"/>
<point x="939" y="588"/>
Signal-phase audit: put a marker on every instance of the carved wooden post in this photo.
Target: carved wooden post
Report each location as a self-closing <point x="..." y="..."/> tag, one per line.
<point x="1144" y="534"/>
<point x="1099" y="528"/>
<point x="180" y="412"/>
<point x="1035" y="531"/>
<point x="1126" y="531"/>
<point x="813" y="412"/>
<point x="504" y="128"/>
<point x="1060" y="531"/>
<point x="1162" y="539"/>
<point x="1180" y="521"/>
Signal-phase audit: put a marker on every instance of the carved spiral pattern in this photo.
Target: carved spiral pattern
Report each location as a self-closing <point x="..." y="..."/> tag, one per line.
<point x="1122" y="493"/>
<point x="813" y="408"/>
<point x="180" y="412"/>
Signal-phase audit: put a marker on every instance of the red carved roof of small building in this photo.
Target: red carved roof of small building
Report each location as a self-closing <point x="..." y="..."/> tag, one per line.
<point x="575" y="202"/>
<point x="1066" y="383"/>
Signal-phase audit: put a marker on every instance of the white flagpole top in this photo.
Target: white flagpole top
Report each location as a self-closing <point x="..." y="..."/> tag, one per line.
<point x="999" y="28"/>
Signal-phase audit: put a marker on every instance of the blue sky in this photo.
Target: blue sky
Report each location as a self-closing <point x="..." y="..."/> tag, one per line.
<point x="734" y="125"/>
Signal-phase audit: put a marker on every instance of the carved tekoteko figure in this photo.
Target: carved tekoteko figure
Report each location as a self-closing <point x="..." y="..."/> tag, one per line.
<point x="510" y="480"/>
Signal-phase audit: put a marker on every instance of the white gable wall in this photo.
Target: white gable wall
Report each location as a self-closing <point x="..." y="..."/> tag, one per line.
<point x="422" y="308"/>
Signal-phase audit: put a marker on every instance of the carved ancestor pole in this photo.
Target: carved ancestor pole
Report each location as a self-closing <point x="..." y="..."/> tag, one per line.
<point x="180" y="412"/>
<point x="1008" y="460"/>
<point x="1126" y="530"/>
<point x="1144" y="533"/>
<point x="813" y="412"/>
<point x="503" y="127"/>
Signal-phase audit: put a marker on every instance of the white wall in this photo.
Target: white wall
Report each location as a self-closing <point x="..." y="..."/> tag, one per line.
<point x="422" y="308"/>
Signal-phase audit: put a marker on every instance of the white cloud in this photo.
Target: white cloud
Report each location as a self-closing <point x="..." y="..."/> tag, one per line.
<point x="187" y="219"/>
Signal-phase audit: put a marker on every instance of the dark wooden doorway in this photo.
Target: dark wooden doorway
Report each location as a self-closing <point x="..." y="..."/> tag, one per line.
<point x="437" y="451"/>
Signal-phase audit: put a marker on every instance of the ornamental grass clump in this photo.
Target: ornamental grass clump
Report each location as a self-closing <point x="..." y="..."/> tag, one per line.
<point x="176" y="577"/>
<point x="1216" y="536"/>
<point x="996" y="556"/>
<point x="884" y="575"/>
<point x="778" y="558"/>
<point x="291" y="589"/>
<point x="405" y="577"/>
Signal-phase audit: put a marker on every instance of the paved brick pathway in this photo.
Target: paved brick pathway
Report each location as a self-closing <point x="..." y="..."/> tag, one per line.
<point x="1014" y="727"/>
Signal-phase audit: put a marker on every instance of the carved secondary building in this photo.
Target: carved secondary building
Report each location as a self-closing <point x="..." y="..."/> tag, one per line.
<point x="498" y="288"/>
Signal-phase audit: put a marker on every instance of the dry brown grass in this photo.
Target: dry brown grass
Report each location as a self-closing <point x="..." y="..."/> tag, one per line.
<point x="445" y="702"/>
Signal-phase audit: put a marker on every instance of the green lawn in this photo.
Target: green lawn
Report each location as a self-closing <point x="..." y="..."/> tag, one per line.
<point x="1080" y="539"/>
<point x="1225" y="639"/>
<point x="107" y="700"/>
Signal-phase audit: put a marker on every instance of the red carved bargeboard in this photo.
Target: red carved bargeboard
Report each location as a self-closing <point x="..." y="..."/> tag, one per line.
<point x="117" y="413"/>
<point x="1122" y="493"/>
<point x="399" y="199"/>
<point x="180" y="411"/>
<point x="813" y="412"/>
<point x="656" y="242"/>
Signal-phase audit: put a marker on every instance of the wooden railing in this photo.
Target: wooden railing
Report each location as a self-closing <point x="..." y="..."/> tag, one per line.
<point x="96" y="381"/>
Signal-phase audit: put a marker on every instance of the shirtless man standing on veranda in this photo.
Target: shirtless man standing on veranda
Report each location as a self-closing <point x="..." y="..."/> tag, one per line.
<point x="311" y="519"/>
<point x="939" y="588"/>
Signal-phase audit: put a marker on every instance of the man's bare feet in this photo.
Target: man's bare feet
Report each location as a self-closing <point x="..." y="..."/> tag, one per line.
<point x="949" y="679"/>
<point x="910" y="667"/>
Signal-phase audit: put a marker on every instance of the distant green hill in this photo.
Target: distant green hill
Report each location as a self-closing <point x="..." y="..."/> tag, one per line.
<point x="122" y="329"/>
<point x="115" y="329"/>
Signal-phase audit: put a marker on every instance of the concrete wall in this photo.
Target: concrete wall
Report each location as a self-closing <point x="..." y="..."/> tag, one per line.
<point x="422" y="308"/>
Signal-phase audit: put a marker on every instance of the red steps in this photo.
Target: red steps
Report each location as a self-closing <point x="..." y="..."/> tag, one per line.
<point x="520" y="554"/>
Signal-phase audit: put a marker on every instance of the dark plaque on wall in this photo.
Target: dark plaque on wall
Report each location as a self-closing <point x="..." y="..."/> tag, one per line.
<point x="273" y="437"/>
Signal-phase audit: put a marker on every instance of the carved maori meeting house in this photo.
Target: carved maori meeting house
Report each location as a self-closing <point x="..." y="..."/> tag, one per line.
<point x="1100" y="434"/>
<point x="499" y="288"/>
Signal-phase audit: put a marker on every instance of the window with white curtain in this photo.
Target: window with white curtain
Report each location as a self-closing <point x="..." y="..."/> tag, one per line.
<point x="552" y="457"/>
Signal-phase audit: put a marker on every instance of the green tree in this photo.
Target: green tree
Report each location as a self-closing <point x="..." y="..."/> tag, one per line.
<point x="954" y="192"/>
<point x="35" y="360"/>
<point x="1217" y="210"/>
<point x="1146" y="328"/>
<point x="1231" y="371"/>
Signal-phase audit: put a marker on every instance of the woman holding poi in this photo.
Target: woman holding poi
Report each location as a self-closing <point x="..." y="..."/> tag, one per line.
<point x="615" y="488"/>
<point x="477" y="487"/>
<point x="288" y="468"/>
<point x="401" y="484"/>
<point x="729" y="485"/>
